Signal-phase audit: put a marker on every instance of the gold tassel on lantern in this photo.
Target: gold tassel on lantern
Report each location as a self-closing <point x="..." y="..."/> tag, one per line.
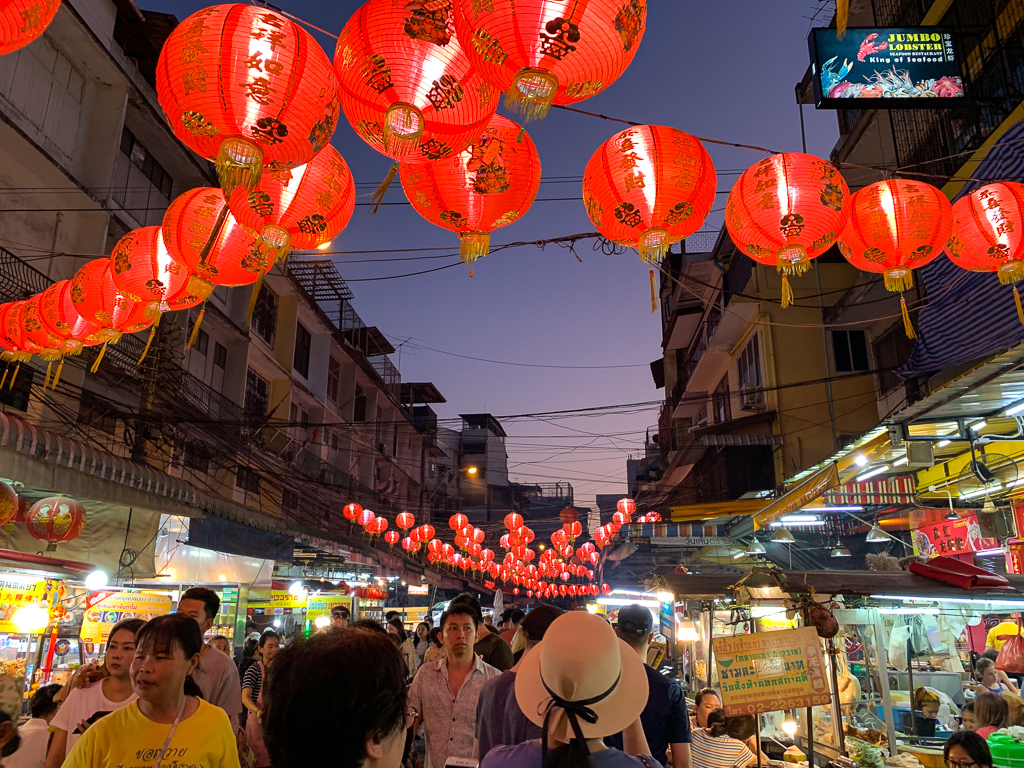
<point x="653" y="245"/>
<point x="56" y="377"/>
<point x="255" y="295"/>
<point x="152" y="335"/>
<point x="382" y="189"/>
<point x="898" y="279"/>
<point x="1011" y="271"/>
<point x="239" y="164"/>
<point x="49" y="368"/>
<point x="532" y="93"/>
<point x="277" y="242"/>
<point x="403" y="129"/>
<point x="908" y="326"/>
<point x="654" y="292"/>
<point x="14" y="377"/>
<point x="787" y="291"/>
<point x="842" y="17"/>
<point x="1020" y="309"/>
<point x="4" y="379"/>
<point x="473" y="245"/>
<point x="96" y="365"/>
<point x="195" y="328"/>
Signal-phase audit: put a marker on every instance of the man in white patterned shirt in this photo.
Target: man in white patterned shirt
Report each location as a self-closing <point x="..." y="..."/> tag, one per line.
<point x="445" y="693"/>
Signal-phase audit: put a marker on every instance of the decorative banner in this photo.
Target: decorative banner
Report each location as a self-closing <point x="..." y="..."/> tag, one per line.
<point x="103" y="614"/>
<point x="951" y="537"/>
<point x="1015" y="556"/>
<point x="14" y="593"/>
<point x="770" y="671"/>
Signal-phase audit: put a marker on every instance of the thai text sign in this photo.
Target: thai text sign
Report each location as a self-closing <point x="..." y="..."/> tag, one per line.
<point x="101" y="615"/>
<point x="770" y="671"/>
<point x="951" y="537"/>
<point x="884" y="67"/>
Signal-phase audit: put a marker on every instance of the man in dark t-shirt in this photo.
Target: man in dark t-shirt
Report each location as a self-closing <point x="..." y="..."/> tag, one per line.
<point x="665" y="719"/>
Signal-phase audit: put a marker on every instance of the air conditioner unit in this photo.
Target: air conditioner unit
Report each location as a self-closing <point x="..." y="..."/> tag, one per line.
<point x="751" y="399"/>
<point x="920" y="454"/>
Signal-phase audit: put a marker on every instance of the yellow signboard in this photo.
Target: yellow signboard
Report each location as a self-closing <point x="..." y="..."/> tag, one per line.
<point x="104" y="613"/>
<point x="14" y="593"/>
<point x="770" y="671"/>
<point x="321" y="605"/>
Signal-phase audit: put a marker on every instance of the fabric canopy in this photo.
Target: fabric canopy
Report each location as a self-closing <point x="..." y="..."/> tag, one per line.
<point x="798" y="496"/>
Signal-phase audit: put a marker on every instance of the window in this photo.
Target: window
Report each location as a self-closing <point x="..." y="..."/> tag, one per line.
<point x="721" y="407"/>
<point x="202" y="343"/>
<point x="220" y="355"/>
<point x="474" y="449"/>
<point x="141" y="185"/>
<point x="264" y="315"/>
<point x="196" y="457"/>
<point x="247" y="479"/>
<point x="94" y="415"/>
<point x="892" y="350"/>
<point x="16" y="396"/>
<point x="303" y="347"/>
<point x="359" y="405"/>
<point x="749" y="366"/>
<point x="333" y="379"/>
<point x="850" y="349"/>
<point x="257" y="395"/>
<point x="290" y="499"/>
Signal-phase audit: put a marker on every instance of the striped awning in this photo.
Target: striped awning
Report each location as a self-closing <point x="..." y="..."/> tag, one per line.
<point x="889" y="490"/>
<point x="969" y="315"/>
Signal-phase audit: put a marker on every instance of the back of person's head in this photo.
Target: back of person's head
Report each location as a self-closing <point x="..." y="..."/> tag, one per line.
<point x="465" y="598"/>
<point x="42" y="704"/>
<point x="390" y="615"/>
<point x="991" y="654"/>
<point x="211" y="602"/>
<point x="634" y="625"/>
<point x="399" y="627"/>
<point x="369" y="625"/>
<point x="352" y="677"/>
<point x="1015" y="708"/>
<point x="991" y="710"/>
<point x="8" y="728"/>
<point x="537" y="621"/>
<point x="516" y="616"/>
<point x="435" y="636"/>
<point x="717" y="722"/>
<point x="252" y="642"/>
<point x="973" y="744"/>
<point x="164" y="634"/>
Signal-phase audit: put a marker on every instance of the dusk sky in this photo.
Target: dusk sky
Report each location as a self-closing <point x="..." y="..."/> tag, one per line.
<point x="723" y="70"/>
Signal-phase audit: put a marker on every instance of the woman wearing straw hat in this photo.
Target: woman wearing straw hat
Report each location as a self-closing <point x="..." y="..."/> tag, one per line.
<point x="580" y="684"/>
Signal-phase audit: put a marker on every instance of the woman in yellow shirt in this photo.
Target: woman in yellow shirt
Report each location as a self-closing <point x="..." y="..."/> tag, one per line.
<point x="168" y="724"/>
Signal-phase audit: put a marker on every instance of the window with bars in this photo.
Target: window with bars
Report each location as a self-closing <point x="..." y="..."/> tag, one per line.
<point x="721" y="407"/>
<point x="257" y="395"/>
<point x="333" y="379"/>
<point x="248" y="479"/>
<point x="264" y="315"/>
<point x="892" y="349"/>
<point x="18" y="395"/>
<point x="303" y="350"/>
<point x="196" y="457"/>
<point x="749" y="365"/>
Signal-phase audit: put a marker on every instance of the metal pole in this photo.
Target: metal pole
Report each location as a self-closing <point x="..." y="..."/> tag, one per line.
<point x="809" y="711"/>
<point x="910" y="684"/>
<point x="837" y="707"/>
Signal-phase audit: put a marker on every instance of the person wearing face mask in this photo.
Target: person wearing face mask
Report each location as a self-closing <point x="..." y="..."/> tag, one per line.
<point x="252" y="696"/>
<point x="85" y="706"/>
<point x="168" y="724"/>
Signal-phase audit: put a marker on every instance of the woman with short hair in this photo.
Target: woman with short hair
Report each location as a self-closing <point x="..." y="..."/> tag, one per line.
<point x="965" y="749"/>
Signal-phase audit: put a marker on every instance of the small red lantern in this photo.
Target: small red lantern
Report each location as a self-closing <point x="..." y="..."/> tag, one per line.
<point x="55" y="519"/>
<point x="8" y="503"/>
<point x="303" y="208"/>
<point x="513" y="520"/>
<point x="568" y="515"/>
<point x="426" y="532"/>
<point x="538" y="53"/>
<point x="626" y="506"/>
<point x="409" y="545"/>
<point x="594" y="558"/>
<point x="407" y="86"/>
<point x="352" y="511"/>
<point x="573" y="529"/>
<point x="458" y="521"/>
<point x="365" y="517"/>
<point x="896" y="226"/>
<point x="247" y="88"/>
<point x="786" y="210"/>
<point x="145" y="271"/>
<point x="606" y="589"/>
<point x="486" y="555"/>
<point x="392" y="537"/>
<point x="987" y="233"/>
<point x="489" y="185"/>
<point x="648" y="187"/>
<point x="200" y="232"/>
<point x="17" y="348"/>
<point x="58" y="313"/>
<point x="49" y="344"/>
<point x="505" y="541"/>
<point x="620" y="519"/>
<point x="478" y="536"/>
<point x="448" y="550"/>
<point x="405" y="520"/>
<point x="376" y="526"/>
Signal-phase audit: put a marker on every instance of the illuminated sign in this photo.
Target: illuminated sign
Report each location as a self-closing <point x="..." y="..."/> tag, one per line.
<point x="951" y="537"/>
<point x="884" y="67"/>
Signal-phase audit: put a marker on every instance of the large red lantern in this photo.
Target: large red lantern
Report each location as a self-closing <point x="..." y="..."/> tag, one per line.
<point x="144" y="270"/>
<point x="489" y="185"/>
<point x="407" y="86"/>
<point x="16" y="348"/>
<point x="405" y="520"/>
<point x="247" y="88"/>
<point x="458" y="521"/>
<point x="648" y="187"/>
<point x="55" y="519"/>
<point x="626" y="506"/>
<point x="22" y="21"/>
<point x="36" y="332"/>
<point x="365" y="517"/>
<point x="351" y="510"/>
<point x="988" y="233"/>
<point x="200" y="232"/>
<point x="303" y="208"/>
<point x="97" y="300"/>
<point x="786" y="210"/>
<point x="425" y="532"/>
<point x="896" y="226"/>
<point x="376" y="526"/>
<point x="539" y="52"/>
<point x="513" y="520"/>
<point x="568" y="515"/>
<point x="58" y="313"/>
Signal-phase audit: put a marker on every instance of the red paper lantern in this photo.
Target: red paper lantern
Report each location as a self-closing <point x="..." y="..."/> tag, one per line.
<point x="489" y="185"/>
<point x="55" y="519"/>
<point x="458" y="521"/>
<point x="97" y="300"/>
<point x="426" y="532"/>
<point x="376" y="526"/>
<point x="405" y="520"/>
<point x="409" y="545"/>
<point x="59" y="314"/>
<point x="447" y="550"/>
<point x="568" y="515"/>
<point x="987" y="233"/>
<point x="200" y="232"/>
<point x="478" y="536"/>
<point x="17" y="348"/>
<point x="365" y="517"/>
<point x="606" y="589"/>
<point x="145" y="271"/>
<point x="526" y="535"/>
<point x="392" y="537"/>
<point x="486" y="555"/>
<point x="648" y="187"/>
<point x="626" y="506"/>
<point x="513" y="520"/>
<point x="786" y="210"/>
<point x="407" y="86"/>
<point x="48" y="342"/>
<point x="351" y="510"/>
<point x="573" y="529"/>
<point x="505" y="541"/>
<point x="8" y="503"/>
<point x="538" y="52"/>
<point x="22" y="21"/>
<point x="247" y="88"/>
<point x="303" y="208"/>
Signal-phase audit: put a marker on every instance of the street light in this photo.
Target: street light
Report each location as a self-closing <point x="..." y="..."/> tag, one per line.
<point x="472" y="470"/>
<point x="783" y="536"/>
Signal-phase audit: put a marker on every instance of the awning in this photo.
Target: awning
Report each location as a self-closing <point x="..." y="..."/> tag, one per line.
<point x="715" y="510"/>
<point x="889" y="490"/>
<point x="798" y="496"/>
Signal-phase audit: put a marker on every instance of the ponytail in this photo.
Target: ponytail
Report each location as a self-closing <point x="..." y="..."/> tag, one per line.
<point x="192" y="688"/>
<point x="717" y="722"/>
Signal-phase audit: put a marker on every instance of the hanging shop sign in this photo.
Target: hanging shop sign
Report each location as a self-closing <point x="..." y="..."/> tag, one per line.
<point x="281" y="603"/>
<point x="322" y="605"/>
<point x="111" y="607"/>
<point x="770" y="671"/>
<point x="884" y="67"/>
<point x="951" y="537"/>
<point x="17" y="592"/>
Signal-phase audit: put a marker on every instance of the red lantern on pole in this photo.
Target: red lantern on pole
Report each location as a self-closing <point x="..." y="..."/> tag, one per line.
<point x="786" y="210"/>
<point x="303" y="208"/>
<point x="405" y="520"/>
<point x="648" y="187"/>
<point x="987" y="233"/>
<point x="896" y="226"/>
<point x="22" y="21"/>
<point x="539" y="53"/>
<point x="247" y="88"/>
<point x="55" y="519"/>
<point x="407" y="85"/>
<point x="489" y="185"/>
